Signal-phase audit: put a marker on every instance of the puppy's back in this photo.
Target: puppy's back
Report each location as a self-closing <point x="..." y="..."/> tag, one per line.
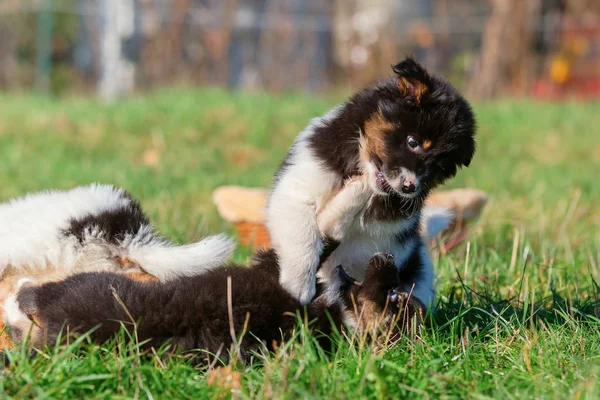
<point x="191" y="312"/>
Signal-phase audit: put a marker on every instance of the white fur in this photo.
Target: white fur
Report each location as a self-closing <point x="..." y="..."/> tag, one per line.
<point x="336" y="219"/>
<point x="12" y="314"/>
<point x="30" y="226"/>
<point x="333" y="292"/>
<point x="301" y="190"/>
<point x="361" y="241"/>
<point x="32" y="237"/>
<point x="167" y="261"/>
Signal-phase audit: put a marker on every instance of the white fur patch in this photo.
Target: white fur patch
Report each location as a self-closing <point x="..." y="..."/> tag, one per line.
<point x="12" y="314"/>
<point x="30" y="227"/>
<point x="341" y="212"/>
<point x="299" y="191"/>
<point x="32" y="237"/>
<point x="167" y="261"/>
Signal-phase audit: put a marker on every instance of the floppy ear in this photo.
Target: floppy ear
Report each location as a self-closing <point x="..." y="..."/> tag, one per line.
<point x="467" y="150"/>
<point x="413" y="80"/>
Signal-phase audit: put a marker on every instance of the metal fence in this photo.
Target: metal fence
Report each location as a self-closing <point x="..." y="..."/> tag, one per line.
<point x="489" y="48"/>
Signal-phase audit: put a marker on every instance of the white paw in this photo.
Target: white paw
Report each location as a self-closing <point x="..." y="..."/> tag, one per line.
<point x="359" y="186"/>
<point x="301" y="291"/>
<point x="24" y="282"/>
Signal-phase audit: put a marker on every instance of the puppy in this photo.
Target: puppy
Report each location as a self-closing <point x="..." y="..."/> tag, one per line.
<point x="51" y="235"/>
<point x="354" y="181"/>
<point x="193" y="312"/>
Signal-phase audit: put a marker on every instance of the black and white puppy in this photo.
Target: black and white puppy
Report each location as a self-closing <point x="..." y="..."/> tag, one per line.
<point x="193" y="313"/>
<point x="357" y="178"/>
<point x="51" y="235"/>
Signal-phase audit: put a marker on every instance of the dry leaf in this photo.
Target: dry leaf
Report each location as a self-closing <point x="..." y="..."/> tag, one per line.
<point x="225" y="378"/>
<point x="151" y="157"/>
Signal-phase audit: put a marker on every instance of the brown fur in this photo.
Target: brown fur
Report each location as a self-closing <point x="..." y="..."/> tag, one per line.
<point x="375" y="129"/>
<point x="372" y="307"/>
<point x="412" y="87"/>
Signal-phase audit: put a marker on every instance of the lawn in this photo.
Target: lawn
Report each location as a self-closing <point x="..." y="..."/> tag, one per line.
<point x="518" y="305"/>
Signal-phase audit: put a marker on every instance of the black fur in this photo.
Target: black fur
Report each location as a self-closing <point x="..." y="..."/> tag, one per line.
<point x="439" y="115"/>
<point x="409" y="233"/>
<point x="412" y="269"/>
<point x="192" y="312"/>
<point x="115" y="224"/>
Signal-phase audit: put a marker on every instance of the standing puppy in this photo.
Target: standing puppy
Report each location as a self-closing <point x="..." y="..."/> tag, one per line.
<point x="357" y="179"/>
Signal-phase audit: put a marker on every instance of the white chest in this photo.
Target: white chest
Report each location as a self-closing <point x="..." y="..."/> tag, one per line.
<point x="364" y="241"/>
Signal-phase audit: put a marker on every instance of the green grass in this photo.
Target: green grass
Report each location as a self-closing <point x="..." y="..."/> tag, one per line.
<point x="518" y="303"/>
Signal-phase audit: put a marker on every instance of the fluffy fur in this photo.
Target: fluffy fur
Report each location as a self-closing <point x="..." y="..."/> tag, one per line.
<point x="94" y="228"/>
<point x="401" y="138"/>
<point x="192" y="313"/>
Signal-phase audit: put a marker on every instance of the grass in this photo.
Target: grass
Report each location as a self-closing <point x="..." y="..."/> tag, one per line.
<point x="518" y="303"/>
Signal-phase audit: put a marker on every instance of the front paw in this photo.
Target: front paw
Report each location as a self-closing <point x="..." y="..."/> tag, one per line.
<point x="301" y="291"/>
<point x="359" y="186"/>
<point x="411" y="310"/>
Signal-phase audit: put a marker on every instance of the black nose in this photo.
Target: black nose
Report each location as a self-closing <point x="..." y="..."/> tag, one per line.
<point x="408" y="187"/>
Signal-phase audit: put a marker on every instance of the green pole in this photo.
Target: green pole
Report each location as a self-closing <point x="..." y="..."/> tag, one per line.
<point x="44" y="47"/>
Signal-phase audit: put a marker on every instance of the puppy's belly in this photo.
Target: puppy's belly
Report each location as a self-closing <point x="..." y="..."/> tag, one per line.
<point x="354" y="254"/>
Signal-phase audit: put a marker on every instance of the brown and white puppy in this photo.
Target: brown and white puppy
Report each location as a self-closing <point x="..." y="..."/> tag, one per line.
<point x="193" y="312"/>
<point x="355" y="180"/>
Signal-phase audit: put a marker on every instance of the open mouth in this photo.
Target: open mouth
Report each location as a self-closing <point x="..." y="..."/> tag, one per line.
<point x="382" y="183"/>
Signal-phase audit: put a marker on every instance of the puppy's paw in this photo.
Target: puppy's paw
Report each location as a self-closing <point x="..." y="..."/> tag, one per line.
<point x="17" y="314"/>
<point x="382" y="260"/>
<point x="411" y="315"/>
<point x="358" y="187"/>
<point x="301" y="291"/>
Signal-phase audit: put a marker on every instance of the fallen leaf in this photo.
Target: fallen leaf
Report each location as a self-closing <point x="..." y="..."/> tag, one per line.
<point x="151" y="157"/>
<point x="225" y="378"/>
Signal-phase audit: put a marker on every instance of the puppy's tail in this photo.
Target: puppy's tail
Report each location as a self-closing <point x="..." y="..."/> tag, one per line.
<point x="167" y="261"/>
<point x="435" y="220"/>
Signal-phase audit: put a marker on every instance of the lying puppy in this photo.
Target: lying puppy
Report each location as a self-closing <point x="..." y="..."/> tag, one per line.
<point x="192" y="313"/>
<point x="51" y="235"/>
<point x="355" y="181"/>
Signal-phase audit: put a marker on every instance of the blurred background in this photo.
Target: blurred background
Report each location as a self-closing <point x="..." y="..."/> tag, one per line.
<point x="538" y="48"/>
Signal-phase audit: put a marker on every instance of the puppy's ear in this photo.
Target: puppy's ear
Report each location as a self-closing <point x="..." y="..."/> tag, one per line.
<point x="466" y="152"/>
<point x="413" y="79"/>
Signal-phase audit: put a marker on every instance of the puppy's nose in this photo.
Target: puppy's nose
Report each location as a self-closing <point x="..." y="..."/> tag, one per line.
<point x="409" y="185"/>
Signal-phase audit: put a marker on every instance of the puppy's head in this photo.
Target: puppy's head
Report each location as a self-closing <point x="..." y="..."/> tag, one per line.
<point x="419" y="135"/>
<point x="378" y="305"/>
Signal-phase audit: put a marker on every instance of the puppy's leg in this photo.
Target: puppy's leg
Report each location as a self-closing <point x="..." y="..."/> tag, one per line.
<point x="298" y="243"/>
<point x="17" y="314"/>
<point x="291" y="220"/>
<point x="338" y="215"/>
<point x="417" y="275"/>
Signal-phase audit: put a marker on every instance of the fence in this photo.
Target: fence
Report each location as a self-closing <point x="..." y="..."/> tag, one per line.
<point x="539" y="47"/>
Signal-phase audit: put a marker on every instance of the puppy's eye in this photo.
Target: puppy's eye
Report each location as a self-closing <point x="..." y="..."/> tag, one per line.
<point x="412" y="143"/>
